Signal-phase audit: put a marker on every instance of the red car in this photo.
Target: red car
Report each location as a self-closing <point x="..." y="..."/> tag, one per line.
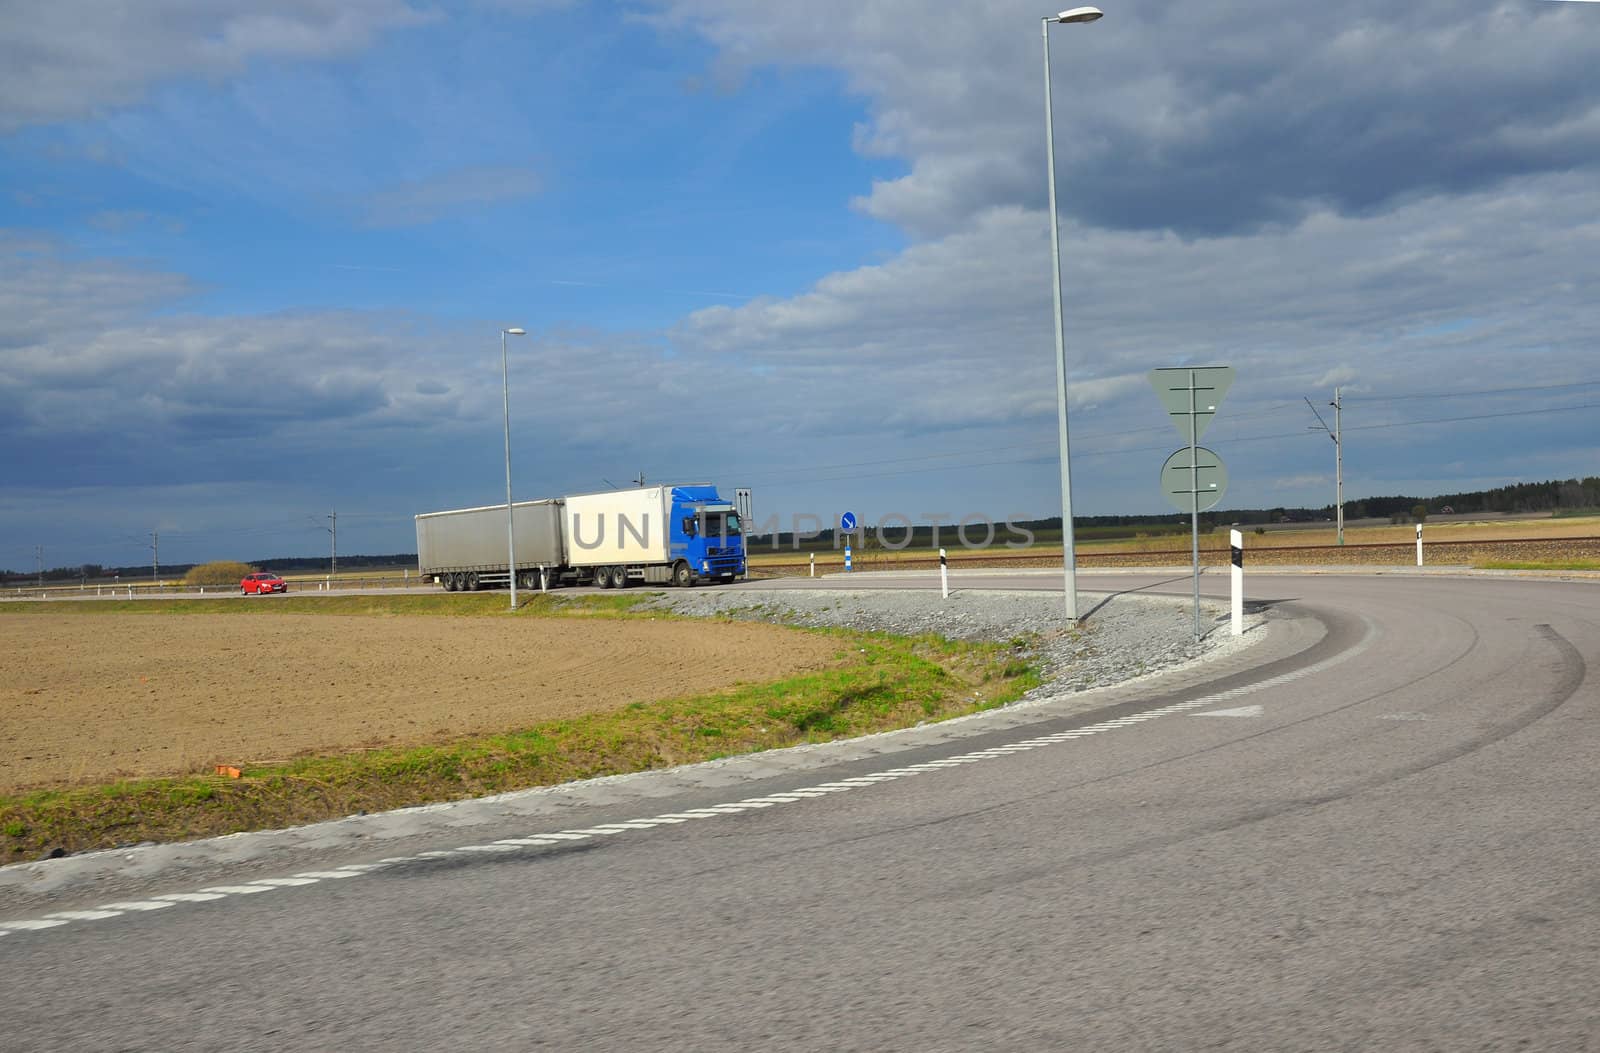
<point x="262" y="581"/>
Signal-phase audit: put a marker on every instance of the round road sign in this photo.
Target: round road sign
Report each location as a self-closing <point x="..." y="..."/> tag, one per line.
<point x="1189" y="490"/>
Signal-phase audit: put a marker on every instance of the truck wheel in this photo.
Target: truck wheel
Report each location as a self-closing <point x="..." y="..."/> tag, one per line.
<point x="619" y="577"/>
<point x="602" y="577"/>
<point x="472" y="581"/>
<point x="682" y="576"/>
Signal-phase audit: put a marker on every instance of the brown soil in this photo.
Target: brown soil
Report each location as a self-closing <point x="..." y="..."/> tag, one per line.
<point x="92" y="699"/>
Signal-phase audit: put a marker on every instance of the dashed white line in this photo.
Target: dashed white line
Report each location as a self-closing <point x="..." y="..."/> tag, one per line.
<point x="139" y="904"/>
<point x="285" y="882"/>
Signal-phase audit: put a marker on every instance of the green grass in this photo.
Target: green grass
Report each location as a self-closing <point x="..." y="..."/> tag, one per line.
<point x="1569" y="564"/>
<point x="881" y="682"/>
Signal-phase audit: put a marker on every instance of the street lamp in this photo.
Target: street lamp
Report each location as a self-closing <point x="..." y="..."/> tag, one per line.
<point x="1069" y="556"/>
<point x="511" y="530"/>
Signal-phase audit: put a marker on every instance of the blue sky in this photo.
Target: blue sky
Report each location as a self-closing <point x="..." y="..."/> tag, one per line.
<point x="256" y="257"/>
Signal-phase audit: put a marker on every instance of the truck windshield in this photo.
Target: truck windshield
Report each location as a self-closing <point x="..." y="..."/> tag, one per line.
<point x="722" y="524"/>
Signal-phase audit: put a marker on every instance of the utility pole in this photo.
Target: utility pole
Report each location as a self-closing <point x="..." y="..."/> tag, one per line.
<point x="1336" y="433"/>
<point x="1338" y="456"/>
<point x="38" y="558"/>
<point x="155" y="555"/>
<point x="333" y="543"/>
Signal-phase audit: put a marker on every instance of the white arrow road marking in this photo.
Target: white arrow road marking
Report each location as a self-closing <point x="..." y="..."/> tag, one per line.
<point x="1242" y="711"/>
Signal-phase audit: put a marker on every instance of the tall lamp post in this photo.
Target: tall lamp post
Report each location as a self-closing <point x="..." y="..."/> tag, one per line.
<point x="505" y="395"/>
<point x="1069" y="555"/>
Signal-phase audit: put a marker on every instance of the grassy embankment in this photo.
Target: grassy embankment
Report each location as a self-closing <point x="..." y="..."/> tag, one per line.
<point x="880" y="682"/>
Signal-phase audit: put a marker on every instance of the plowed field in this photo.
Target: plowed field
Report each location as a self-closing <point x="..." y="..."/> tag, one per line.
<point x="92" y="699"/>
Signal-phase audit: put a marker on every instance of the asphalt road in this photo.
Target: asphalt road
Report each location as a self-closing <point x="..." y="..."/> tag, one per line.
<point x="1384" y="841"/>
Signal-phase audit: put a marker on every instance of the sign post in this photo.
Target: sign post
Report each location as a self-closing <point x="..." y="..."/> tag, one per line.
<point x="847" y="523"/>
<point x="1193" y="479"/>
<point x="944" y="575"/>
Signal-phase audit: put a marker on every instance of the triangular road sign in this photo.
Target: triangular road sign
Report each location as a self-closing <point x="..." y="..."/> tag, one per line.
<point x="1192" y="389"/>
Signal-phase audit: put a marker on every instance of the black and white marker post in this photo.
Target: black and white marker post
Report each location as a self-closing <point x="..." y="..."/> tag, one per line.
<point x="1236" y="571"/>
<point x="944" y="575"/>
<point x="1419" y="544"/>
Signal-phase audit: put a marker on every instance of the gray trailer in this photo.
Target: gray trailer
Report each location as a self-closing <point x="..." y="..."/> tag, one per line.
<point x="657" y="535"/>
<point x="466" y="549"/>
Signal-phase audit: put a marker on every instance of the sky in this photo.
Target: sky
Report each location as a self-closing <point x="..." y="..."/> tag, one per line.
<point x="255" y="259"/>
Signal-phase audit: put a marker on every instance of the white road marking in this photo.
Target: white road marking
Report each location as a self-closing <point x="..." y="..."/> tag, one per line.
<point x="285" y="882"/>
<point x="138" y="904"/>
<point x="1241" y="711"/>
<point x="85" y="915"/>
<point x="238" y="890"/>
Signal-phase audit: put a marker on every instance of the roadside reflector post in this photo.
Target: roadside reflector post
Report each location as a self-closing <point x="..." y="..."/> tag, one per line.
<point x="813" y="564"/>
<point x="944" y="575"/>
<point x="1419" y="544"/>
<point x="544" y="579"/>
<point x="1236" y="552"/>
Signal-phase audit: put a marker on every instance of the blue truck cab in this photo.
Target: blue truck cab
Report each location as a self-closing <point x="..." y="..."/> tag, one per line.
<point x="706" y="532"/>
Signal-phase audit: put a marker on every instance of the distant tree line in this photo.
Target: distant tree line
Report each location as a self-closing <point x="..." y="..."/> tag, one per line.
<point x="94" y="572"/>
<point x="1562" y="496"/>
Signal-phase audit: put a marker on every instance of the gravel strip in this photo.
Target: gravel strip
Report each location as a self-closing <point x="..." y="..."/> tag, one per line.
<point x="1124" y="636"/>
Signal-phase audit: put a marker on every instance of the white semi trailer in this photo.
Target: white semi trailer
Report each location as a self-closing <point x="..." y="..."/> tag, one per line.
<point x="666" y="535"/>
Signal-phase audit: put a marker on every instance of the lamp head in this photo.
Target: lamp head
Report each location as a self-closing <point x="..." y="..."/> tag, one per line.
<point x="515" y="332"/>
<point x="1080" y="14"/>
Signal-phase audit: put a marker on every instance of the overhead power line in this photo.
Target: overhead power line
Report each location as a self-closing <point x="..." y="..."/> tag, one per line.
<point x="1475" y="394"/>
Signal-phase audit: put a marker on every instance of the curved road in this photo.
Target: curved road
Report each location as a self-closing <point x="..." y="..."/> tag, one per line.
<point x="1375" y="830"/>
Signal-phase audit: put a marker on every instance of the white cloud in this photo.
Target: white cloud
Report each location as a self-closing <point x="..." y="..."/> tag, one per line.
<point x="66" y="59"/>
<point x="1200" y="117"/>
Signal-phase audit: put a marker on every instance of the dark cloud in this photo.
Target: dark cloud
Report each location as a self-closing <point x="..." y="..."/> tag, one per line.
<point x="1200" y="118"/>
